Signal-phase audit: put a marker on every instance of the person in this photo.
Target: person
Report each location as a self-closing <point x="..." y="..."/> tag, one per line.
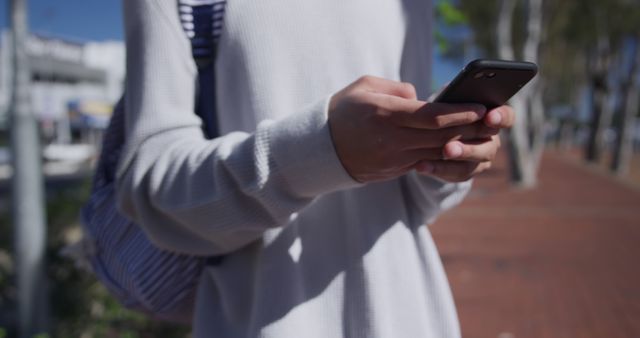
<point x="328" y="167"/>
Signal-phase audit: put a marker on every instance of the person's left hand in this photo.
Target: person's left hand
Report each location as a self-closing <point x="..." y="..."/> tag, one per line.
<point x="464" y="158"/>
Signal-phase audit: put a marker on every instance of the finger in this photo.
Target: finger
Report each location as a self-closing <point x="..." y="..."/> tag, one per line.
<point x="478" y="151"/>
<point x="467" y="133"/>
<point x="417" y="155"/>
<point x="472" y="132"/>
<point x="501" y="117"/>
<point x="394" y="106"/>
<point x="441" y="115"/>
<point x="420" y="138"/>
<point x="389" y="87"/>
<point x="452" y="171"/>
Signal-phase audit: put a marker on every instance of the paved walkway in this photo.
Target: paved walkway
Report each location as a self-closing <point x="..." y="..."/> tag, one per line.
<point x="562" y="260"/>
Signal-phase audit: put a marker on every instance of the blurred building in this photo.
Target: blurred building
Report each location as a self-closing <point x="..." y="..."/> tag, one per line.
<point x="74" y="85"/>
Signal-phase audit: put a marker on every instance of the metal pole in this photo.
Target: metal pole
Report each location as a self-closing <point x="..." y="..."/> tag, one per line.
<point x="27" y="188"/>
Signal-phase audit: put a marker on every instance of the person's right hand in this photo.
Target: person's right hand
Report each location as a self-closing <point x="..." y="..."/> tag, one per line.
<point x="381" y="131"/>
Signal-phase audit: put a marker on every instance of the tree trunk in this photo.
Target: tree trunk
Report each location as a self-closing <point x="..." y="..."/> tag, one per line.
<point x="504" y="27"/>
<point x="623" y="151"/>
<point x="537" y="126"/>
<point x="522" y="170"/>
<point x="526" y="138"/>
<point x="517" y="144"/>
<point x="602" y="109"/>
<point x="536" y="105"/>
<point x="567" y="135"/>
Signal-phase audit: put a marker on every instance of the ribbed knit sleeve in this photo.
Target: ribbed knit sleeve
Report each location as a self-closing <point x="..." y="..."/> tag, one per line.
<point x="200" y="196"/>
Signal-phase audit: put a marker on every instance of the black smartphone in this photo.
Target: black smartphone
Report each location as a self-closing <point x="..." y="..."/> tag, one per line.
<point x="488" y="82"/>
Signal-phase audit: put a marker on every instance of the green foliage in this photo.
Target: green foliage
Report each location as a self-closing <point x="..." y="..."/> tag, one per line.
<point x="441" y="42"/>
<point x="574" y="30"/>
<point x="562" y="60"/>
<point x="571" y="29"/>
<point x="80" y="305"/>
<point x="590" y="20"/>
<point x="7" y="287"/>
<point x="482" y="20"/>
<point x="42" y="335"/>
<point x="450" y="14"/>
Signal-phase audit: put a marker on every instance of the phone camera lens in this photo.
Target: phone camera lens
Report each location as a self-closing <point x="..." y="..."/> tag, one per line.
<point x="478" y="75"/>
<point x="491" y="75"/>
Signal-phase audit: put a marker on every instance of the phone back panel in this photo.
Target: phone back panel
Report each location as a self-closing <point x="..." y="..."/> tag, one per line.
<point x="488" y="82"/>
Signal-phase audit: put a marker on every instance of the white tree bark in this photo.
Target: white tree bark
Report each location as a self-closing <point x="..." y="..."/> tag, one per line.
<point x="505" y="24"/>
<point x="526" y="138"/>
<point x="517" y="136"/>
<point x="536" y="104"/>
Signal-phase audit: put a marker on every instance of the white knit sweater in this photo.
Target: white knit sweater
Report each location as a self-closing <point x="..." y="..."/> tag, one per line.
<point x="309" y="252"/>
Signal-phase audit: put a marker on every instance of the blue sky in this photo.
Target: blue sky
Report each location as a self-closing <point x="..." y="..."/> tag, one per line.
<point x="78" y="19"/>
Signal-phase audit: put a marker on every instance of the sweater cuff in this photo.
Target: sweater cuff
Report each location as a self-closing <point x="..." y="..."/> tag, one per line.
<point x="304" y="154"/>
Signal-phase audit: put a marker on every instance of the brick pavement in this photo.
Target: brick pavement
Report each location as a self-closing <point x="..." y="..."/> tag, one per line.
<point x="562" y="260"/>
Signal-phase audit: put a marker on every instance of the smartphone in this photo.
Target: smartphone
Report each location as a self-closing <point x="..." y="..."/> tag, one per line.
<point x="488" y="82"/>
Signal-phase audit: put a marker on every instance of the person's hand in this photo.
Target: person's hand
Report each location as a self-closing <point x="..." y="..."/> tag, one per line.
<point x="381" y="131"/>
<point x="463" y="158"/>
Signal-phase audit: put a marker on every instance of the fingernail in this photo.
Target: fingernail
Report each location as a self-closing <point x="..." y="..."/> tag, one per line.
<point x="425" y="167"/>
<point x="495" y="118"/>
<point x="454" y="150"/>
